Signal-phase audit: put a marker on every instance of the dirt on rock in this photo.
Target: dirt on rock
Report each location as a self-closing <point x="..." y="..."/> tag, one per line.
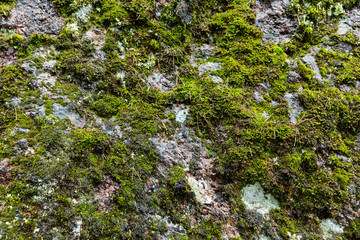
<point x="104" y="193"/>
<point x="5" y="169"/>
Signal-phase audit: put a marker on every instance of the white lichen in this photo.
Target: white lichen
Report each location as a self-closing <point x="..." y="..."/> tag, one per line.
<point x="150" y="63"/>
<point x="200" y="189"/>
<point x="77" y="229"/>
<point x="73" y="29"/>
<point x="181" y="115"/>
<point x="339" y="10"/>
<point x="83" y="14"/>
<point x="120" y="75"/>
<point x="330" y="228"/>
<point x="255" y="200"/>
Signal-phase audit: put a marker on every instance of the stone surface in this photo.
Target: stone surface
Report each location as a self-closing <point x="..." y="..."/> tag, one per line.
<point x="201" y="190"/>
<point x="46" y="78"/>
<point x="294" y="77"/>
<point x="272" y="20"/>
<point x="29" y="67"/>
<point x="30" y="16"/>
<point x="67" y="112"/>
<point x="104" y="193"/>
<point x="5" y="169"/>
<point x="258" y="97"/>
<point x="83" y="14"/>
<point x="77" y="228"/>
<point x="23" y="143"/>
<point x="295" y="107"/>
<point x="350" y="22"/>
<point x="97" y="38"/>
<point x="208" y="67"/>
<point x="160" y="82"/>
<point x="171" y="228"/>
<point x="181" y="115"/>
<point x="189" y="153"/>
<point x="183" y="10"/>
<point x="310" y="61"/>
<point x="49" y="65"/>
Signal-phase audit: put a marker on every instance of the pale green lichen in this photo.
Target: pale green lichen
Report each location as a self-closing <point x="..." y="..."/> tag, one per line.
<point x="83" y="14"/>
<point x="255" y="199"/>
<point x="330" y="228"/>
<point x="200" y="189"/>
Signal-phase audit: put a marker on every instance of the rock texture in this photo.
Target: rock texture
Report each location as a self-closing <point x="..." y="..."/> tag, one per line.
<point x="34" y="16"/>
<point x="273" y="21"/>
<point x="179" y="120"/>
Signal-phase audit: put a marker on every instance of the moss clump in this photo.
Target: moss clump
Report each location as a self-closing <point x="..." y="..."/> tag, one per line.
<point x="6" y="6"/>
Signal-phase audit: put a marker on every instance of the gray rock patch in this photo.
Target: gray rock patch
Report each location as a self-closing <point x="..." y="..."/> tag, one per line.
<point x="256" y="200"/>
<point x="46" y="79"/>
<point x="67" y="112"/>
<point x="30" y="16"/>
<point x="27" y="67"/>
<point x="160" y="82"/>
<point x="181" y="115"/>
<point x="310" y="60"/>
<point x="183" y="10"/>
<point x="208" y="67"/>
<point x="350" y="22"/>
<point x="294" y="106"/>
<point x="272" y="20"/>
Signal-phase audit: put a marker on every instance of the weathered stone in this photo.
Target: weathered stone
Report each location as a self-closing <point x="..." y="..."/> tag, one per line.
<point x="23" y="143"/>
<point x="49" y="65"/>
<point x="30" y="16"/>
<point x="5" y="169"/>
<point x="330" y="228"/>
<point x="83" y="14"/>
<point x="104" y="193"/>
<point x="350" y="22"/>
<point x="310" y="60"/>
<point x="97" y="38"/>
<point x="183" y="10"/>
<point x="160" y="82"/>
<point x="295" y="107"/>
<point x="26" y="66"/>
<point x="294" y="77"/>
<point x="22" y="130"/>
<point x="67" y="112"/>
<point x="272" y="20"/>
<point x="181" y="115"/>
<point x="208" y="67"/>
<point x="46" y="78"/>
<point x="201" y="190"/>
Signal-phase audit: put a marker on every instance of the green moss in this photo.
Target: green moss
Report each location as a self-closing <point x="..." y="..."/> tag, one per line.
<point x="6" y="6"/>
<point x="301" y="165"/>
<point x="176" y="174"/>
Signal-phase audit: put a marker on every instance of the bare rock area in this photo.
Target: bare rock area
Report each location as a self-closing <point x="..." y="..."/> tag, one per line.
<point x="350" y="22"/>
<point x="5" y="169"/>
<point x="272" y="20"/>
<point x="30" y="16"/>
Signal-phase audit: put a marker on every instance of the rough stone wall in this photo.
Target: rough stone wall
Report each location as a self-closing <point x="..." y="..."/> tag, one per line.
<point x="179" y="120"/>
